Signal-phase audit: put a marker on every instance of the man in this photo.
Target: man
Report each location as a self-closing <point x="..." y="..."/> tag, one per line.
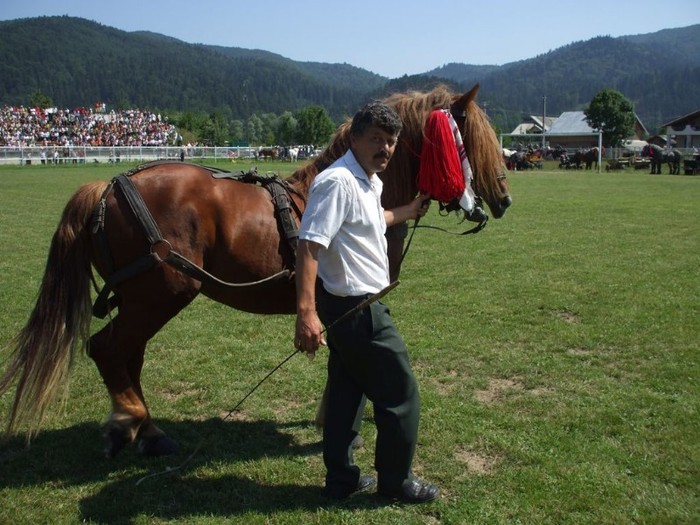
<point x="342" y="260"/>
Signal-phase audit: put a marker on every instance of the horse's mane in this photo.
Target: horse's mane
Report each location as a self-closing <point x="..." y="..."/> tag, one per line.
<point x="484" y="153"/>
<point x="301" y="178"/>
<point x="400" y="177"/>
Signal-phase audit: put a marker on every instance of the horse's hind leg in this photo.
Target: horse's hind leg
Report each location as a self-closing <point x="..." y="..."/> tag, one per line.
<point x="110" y="352"/>
<point x="118" y="351"/>
<point x="152" y="441"/>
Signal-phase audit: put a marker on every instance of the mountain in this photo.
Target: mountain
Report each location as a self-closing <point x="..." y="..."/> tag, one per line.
<point x="76" y="62"/>
<point x="659" y="72"/>
<point x="682" y="43"/>
<point x="338" y="74"/>
<point x="463" y="73"/>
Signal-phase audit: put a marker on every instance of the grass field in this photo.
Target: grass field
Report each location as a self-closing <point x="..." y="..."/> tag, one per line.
<point x="557" y="354"/>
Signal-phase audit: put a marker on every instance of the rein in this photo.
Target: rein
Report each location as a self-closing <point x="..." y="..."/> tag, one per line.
<point x="475" y="229"/>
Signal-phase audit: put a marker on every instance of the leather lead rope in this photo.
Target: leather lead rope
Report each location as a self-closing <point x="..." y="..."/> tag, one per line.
<point x="475" y="229"/>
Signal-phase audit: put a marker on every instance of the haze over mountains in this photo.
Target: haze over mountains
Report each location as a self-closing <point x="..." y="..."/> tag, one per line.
<point x="77" y="62"/>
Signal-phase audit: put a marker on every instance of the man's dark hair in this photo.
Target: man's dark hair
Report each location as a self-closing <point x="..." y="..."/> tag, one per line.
<point x="376" y="114"/>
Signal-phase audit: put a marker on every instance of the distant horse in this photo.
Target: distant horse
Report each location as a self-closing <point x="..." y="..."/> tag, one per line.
<point x="565" y="161"/>
<point x="507" y="153"/>
<point x="165" y="232"/>
<point x="577" y="160"/>
<point x="658" y="156"/>
<point x="590" y="157"/>
<point x="267" y="154"/>
<point x="534" y="158"/>
<point x="523" y="160"/>
<point x="555" y="153"/>
<point x="293" y="154"/>
<point x="584" y="157"/>
<point x="517" y="161"/>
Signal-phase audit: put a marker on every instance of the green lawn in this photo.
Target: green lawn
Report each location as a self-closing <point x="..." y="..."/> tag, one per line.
<point x="557" y="353"/>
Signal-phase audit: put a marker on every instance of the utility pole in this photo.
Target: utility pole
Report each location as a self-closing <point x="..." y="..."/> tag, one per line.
<point x="544" y="121"/>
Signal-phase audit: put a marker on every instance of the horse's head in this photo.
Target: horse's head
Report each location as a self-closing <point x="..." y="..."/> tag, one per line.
<point x="484" y="153"/>
<point x="400" y="178"/>
<point x="650" y="150"/>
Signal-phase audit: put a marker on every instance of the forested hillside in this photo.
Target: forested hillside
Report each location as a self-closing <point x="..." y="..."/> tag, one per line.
<point x="658" y="72"/>
<point x="76" y="62"/>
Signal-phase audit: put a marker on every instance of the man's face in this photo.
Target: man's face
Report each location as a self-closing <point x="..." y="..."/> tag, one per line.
<point x="373" y="149"/>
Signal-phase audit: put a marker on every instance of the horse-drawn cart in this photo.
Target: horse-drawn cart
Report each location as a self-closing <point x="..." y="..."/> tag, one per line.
<point x="617" y="164"/>
<point x="641" y="163"/>
<point x="691" y="166"/>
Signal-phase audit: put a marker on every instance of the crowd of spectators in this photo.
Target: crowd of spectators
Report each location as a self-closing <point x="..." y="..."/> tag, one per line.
<point x="27" y="126"/>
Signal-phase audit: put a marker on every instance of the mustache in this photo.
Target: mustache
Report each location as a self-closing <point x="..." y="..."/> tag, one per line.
<point x="382" y="155"/>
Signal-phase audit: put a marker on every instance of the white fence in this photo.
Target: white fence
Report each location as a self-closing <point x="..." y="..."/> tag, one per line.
<point x="86" y="154"/>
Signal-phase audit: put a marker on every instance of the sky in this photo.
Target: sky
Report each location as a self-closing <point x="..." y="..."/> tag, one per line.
<point x="387" y="37"/>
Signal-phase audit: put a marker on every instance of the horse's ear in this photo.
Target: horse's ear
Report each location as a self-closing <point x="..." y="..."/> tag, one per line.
<point x="463" y="101"/>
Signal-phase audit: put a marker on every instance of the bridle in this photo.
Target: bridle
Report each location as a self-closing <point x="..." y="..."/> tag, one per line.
<point x="478" y="215"/>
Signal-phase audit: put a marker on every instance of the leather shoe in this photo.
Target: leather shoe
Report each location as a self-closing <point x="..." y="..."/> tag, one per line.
<point x="414" y="491"/>
<point x="363" y="485"/>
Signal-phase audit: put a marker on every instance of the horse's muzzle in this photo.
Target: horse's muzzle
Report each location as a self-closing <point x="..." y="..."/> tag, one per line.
<point x="500" y="210"/>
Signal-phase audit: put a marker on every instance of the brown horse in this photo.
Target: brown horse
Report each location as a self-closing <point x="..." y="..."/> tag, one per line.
<point x="228" y="228"/>
<point x="590" y="158"/>
<point x="267" y="153"/>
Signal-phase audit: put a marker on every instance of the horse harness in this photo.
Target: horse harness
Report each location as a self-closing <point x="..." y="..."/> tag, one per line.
<point x="286" y="211"/>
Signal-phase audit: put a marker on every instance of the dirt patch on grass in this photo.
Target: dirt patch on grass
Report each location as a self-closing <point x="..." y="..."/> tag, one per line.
<point x="236" y="415"/>
<point x="179" y="390"/>
<point x="496" y="390"/>
<point x="448" y="383"/>
<point x="579" y="352"/>
<point x="567" y="316"/>
<point x="564" y="314"/>
<point x="477" y="463"/>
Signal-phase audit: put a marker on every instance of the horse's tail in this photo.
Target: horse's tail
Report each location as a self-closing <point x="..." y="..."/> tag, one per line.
<point x="44" y="349"/>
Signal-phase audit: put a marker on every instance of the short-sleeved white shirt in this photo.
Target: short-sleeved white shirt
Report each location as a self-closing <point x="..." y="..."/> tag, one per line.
<point x="345" y="216"/>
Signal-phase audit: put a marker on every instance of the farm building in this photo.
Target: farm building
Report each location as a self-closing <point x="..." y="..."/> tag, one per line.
<point x="685" y="131"/>
<point x="570" y="130"/>
<point x="533" y="124"/>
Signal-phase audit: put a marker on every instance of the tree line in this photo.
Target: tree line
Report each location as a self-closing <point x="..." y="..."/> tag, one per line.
<point x="310" y="125"/>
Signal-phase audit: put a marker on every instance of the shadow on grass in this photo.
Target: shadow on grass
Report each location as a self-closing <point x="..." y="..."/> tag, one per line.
<point x="74" y="457"/>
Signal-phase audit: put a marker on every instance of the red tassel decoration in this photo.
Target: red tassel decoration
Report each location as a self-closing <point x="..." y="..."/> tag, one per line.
<point x="440" y="174"/>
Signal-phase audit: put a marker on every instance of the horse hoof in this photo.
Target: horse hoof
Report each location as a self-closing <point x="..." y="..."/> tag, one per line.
<point x="157" y="446"/>
<point x="116" y="441"/>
